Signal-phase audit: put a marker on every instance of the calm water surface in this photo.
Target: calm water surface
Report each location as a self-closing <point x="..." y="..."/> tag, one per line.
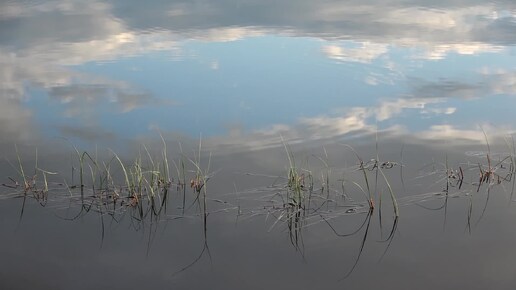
<point x="423" y="91"/>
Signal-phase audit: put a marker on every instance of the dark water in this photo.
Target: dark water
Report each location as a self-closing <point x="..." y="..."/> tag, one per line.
<point x="422" y="91"/>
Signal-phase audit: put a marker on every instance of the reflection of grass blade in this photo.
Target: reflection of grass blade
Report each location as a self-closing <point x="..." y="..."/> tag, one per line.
<point x="181" y="175"/>
<point x="23" y="207"/>
<point x="393" y="197"/>
<point x="345" y="235"/>
<point x="401" y="167"/>
<point x="362" y="168"/>
<point x="362" y="245"/>
<point x="390" y="238"/>
<point x="470" y="213"/>
<point x="485" y="206"/>
<point x="197" y="259"/>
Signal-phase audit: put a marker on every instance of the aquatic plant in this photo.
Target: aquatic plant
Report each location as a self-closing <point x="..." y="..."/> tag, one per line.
<point x="377" y="166"/>
<point x="113" y="187"/>
<point x="302" y="195"/>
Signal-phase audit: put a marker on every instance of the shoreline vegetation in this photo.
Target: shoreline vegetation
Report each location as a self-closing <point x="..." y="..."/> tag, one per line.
<point x="154" y="187"/>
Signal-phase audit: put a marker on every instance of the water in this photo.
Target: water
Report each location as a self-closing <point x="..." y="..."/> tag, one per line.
<point x="427" y="88"/>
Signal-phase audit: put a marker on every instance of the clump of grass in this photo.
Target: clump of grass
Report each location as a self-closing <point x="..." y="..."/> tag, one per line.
<point x="115" y="186"/>
<point x="181" y="176"/>
<point x="295" y="180"/>
<point x="201" y="176"/>
<point x="378" y="167"/>
<point x="295" y="196"/>
<point x="199" y="185"/>
<point x="146" y="186"/>
<point x="30" y="186"/>
<point x="495" y="173"/>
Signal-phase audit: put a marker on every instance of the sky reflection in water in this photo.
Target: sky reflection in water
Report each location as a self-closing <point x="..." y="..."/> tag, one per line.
<point x="244" y="72"/>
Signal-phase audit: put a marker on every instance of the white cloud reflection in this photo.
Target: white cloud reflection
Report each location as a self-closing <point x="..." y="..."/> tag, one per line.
<point x="15" y="121"/>
<point x="463" y="27"/>
<point x="364" y="53"/>
<point x="440" y="51"/>
<point x="454" y="134"/>
<point x="350" y="122"/>
<point x="56" y="35"/>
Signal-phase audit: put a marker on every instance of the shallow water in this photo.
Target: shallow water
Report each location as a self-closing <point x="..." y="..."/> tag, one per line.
<point x="422" y="92"/>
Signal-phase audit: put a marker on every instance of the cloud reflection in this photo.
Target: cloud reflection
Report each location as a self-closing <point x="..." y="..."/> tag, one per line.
<point x="41" y="42"/>
<point x="349" y="123"/>
<point x="364" y="121"/>
<point x="364" y="53"/>
<point x="464" y="27"/>
<point x="439" y="28"/>
<point x="15" y="121"/>
<point x="454" y="134"/>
